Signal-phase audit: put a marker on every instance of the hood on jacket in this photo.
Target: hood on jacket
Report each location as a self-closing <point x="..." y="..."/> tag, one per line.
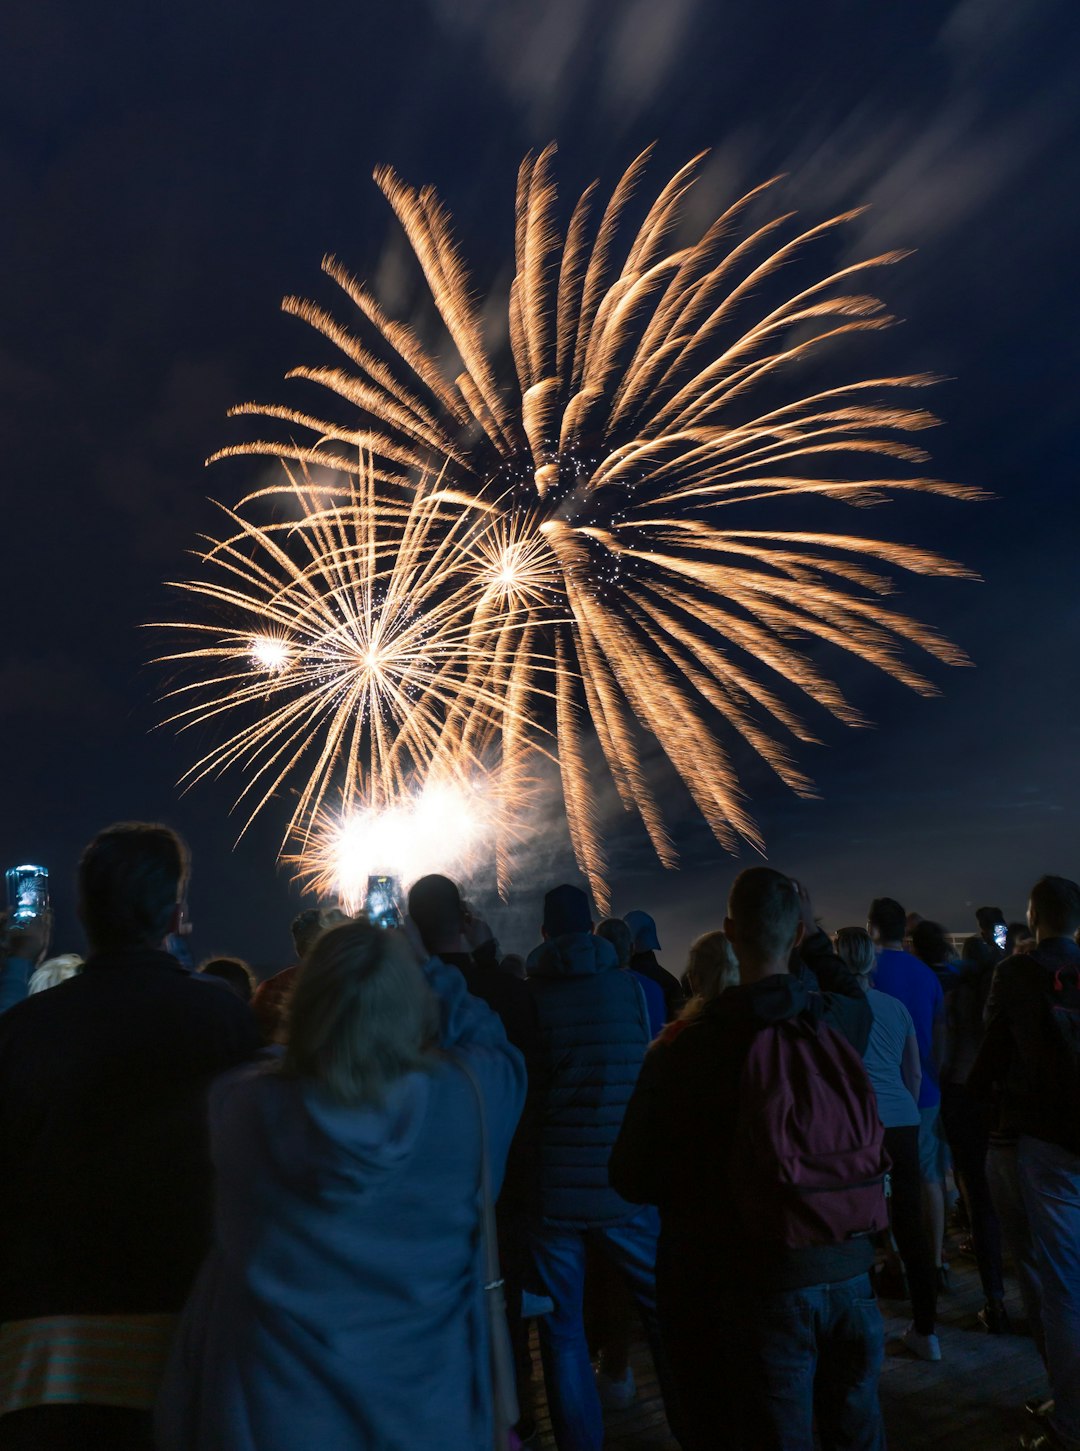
<point x="574" y="955"/>
<point x="771" y="1000"/>
<point x="315" y="1144"/>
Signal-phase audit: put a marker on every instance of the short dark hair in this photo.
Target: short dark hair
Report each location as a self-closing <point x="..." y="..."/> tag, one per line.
<point x="931" y="944"/>
<point x="890" y="919"/>
<point x="1056" y="901"/>
<point x="989" y="917"/>
<point x="306" y="926"/>
<point x="765" y="909"/>
<point x="615" y="931"/>
<point x="566" y="910"/>
<point x="435" y="906"/>
<point x="131" y="876"/>
<point x="233" y="972"/>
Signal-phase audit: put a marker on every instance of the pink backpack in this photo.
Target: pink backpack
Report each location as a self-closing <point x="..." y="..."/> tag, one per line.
<point x="809" y="1160"/>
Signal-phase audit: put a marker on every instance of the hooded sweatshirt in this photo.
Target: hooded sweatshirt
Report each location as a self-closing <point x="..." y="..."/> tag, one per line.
<point x="342" y="1303"/>
<point x="594" y="1030"/>
<point x="676" y="1144"/>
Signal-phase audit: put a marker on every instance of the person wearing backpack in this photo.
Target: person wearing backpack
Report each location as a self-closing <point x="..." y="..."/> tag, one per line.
<point x="763" y="1284"/>
<point x="1031" y="1053"/>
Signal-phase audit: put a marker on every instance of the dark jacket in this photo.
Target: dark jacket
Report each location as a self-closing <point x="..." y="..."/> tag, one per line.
<point x="515" y="1005"/>
<point x="594" y="1031"/>
<point x="1017" y="1064"/>
<point x="674" y="998"/>
<point x="678" y="1135"/>
<point x="105" y="1181"/>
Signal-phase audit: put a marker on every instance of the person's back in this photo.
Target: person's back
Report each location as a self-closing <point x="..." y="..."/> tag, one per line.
<point x="1030" y="1060"/>
<point x="593" y="1035"/>
<point x="105" y="1180"/>
<point x="594" y="1032"/>
<point x="759" y="1333"/>
<point x="884" y="1059"/>
<point x="615" y="931"/>
<point x="343" y="1300"/>
<point x="645" y="944"/>
<point x="105" y="1202"/>
<point x="904" y="977"/>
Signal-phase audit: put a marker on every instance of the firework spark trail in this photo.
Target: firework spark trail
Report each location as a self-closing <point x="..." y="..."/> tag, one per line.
<point x="571" y="551"/>
<point x="344" y="645"/>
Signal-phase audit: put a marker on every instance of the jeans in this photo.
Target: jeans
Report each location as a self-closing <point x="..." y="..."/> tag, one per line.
<point x="967" y="1129"/>
<point x="909" y="1227"/>
<point x="1050" y="1183"/>
<point x="559" y="1256"/>
<point x="819" y="1351"/>
<point x="1003" y="1181"/>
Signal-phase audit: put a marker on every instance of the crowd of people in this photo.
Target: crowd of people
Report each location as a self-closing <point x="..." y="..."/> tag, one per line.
<point x="329" y="1208"/>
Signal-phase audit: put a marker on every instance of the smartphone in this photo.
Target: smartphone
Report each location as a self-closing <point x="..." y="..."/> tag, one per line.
<point x="27" y="892"/>
<point x="1001" y="935"/>
<point x="382" y="904"/>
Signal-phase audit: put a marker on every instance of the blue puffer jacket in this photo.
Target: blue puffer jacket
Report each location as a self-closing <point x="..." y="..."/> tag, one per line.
<point x="594" y="1030"/>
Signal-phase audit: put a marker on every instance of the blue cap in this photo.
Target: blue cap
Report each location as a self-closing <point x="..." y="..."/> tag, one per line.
<point x="643" y="930"/>
<point x="566" y="909"/>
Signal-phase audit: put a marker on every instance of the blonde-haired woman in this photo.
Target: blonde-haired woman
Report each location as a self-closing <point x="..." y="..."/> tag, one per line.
<point x="342" y="1303"/>
<point x="711" y="969"/>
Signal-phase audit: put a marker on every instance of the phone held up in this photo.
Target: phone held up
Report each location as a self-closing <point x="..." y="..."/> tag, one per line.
<point x="382" y="905"/>
<point x="27" y="893"/>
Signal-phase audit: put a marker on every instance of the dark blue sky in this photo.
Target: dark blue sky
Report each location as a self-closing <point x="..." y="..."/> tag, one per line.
<point x="170" y="172"/>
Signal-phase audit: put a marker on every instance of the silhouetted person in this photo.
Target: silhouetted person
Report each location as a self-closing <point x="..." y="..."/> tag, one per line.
<point x="342" y="1305"/>
<point x="105" y="1176"/>
<point x="451" y="931"/>
<point x="593" y="1035"/>
<point x="270" y="1001"/>
<point x="904" y="976"/>
<point x="760" y="1335"/>
<point x="646" y="944"/>
<point x="1031" y="1058"/>
<point x="233" y="972"/>
<point x="892" y="1064"/>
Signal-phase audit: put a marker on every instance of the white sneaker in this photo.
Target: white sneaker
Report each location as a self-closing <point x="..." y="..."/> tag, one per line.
<point x="616" y="1395"/>
<point x="926" y="1347"/>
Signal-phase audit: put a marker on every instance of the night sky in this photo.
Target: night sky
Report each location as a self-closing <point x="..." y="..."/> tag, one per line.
<point x="169" y="172"/>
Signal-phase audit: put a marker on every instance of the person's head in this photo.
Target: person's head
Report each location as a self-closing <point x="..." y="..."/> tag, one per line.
<point x="911" y="921"/>
<point x="54" y="971"/>
<point x="233" y="972"/>
<point x="615" y="931"/>
<point x="855" y="948"/>
<point x="308" y="926"/>
<point x="764" y="921"/>
<point x="514" y="966"/>
<point x="930" y="944"/>
<point x="131" y="883"/>
<point x="362" y="1014"/>
<point x="436" y="907"/>
<point x="988" y="918"/>
<point x="1054" y="908"/>
<point x="642" y="932"/>
<point x="1019" y="937"/>
<point x="566" y="910"/>
<point x="712" y="966"/>
<point x="886" y="922"/>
